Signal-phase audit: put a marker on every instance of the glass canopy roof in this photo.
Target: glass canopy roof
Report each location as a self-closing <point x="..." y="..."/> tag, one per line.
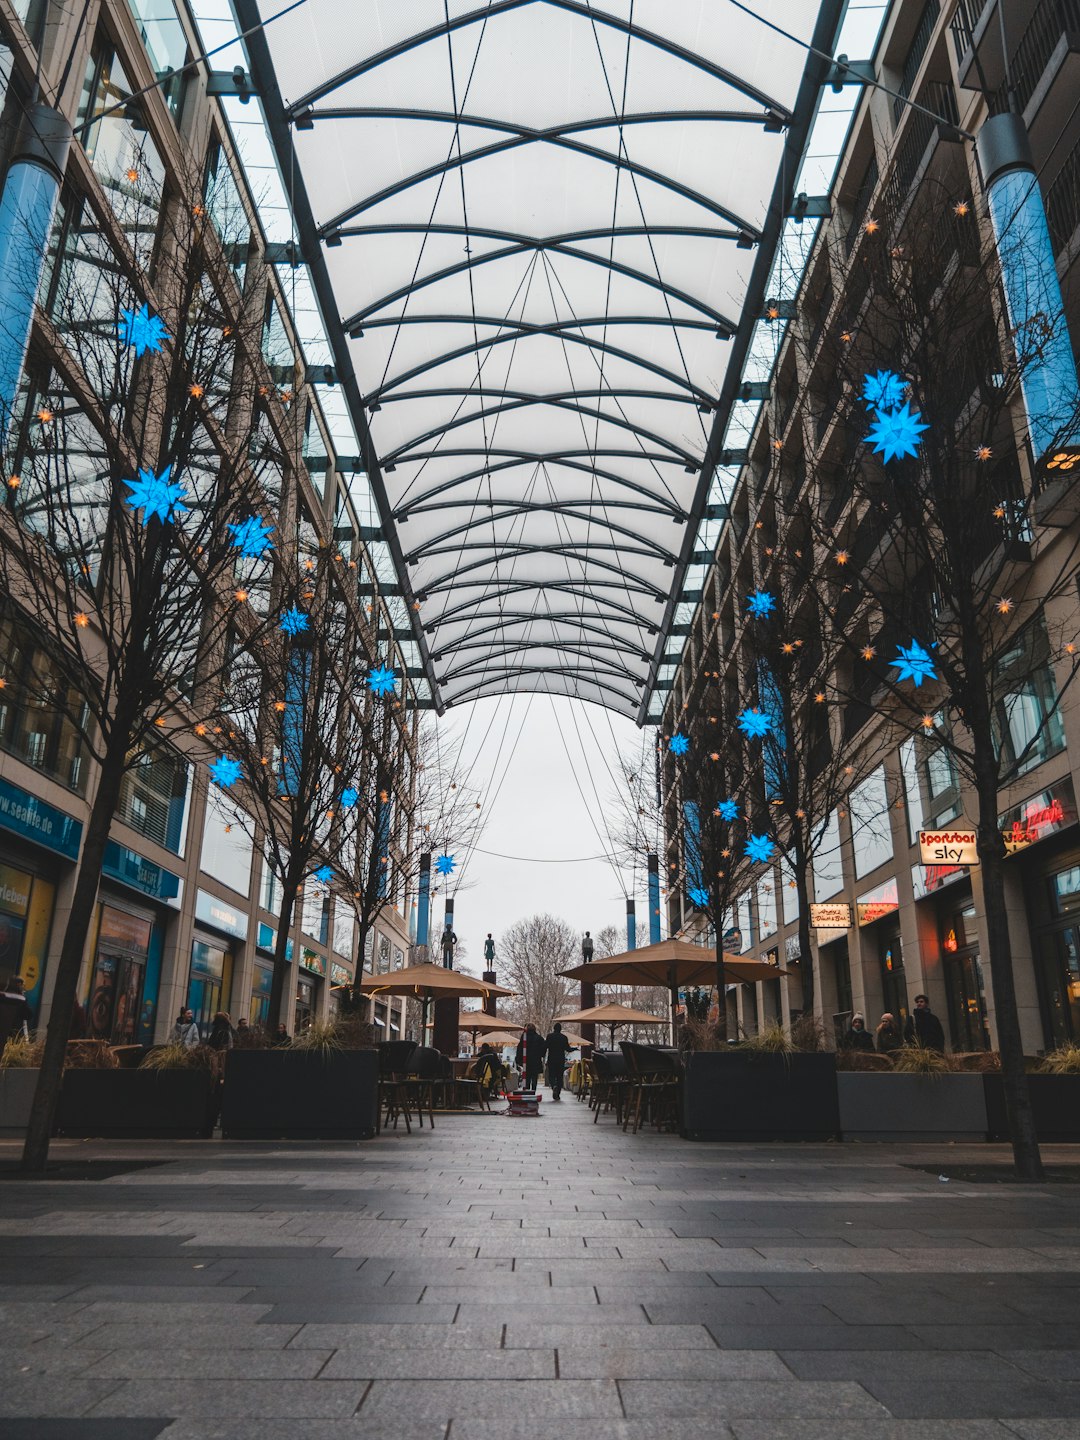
<point x="541" y="232"/>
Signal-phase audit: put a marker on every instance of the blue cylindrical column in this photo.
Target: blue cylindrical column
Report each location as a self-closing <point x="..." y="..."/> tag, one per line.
<point x="423" y="899"/>
<point x="27" y="207"/>
<point x="631" y="925"/>
<point x="1029" y="277"/>
<point x="654" y="900"/>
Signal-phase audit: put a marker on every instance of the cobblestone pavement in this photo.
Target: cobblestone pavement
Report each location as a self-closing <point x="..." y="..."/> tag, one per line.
<point x="496" y="1278"/>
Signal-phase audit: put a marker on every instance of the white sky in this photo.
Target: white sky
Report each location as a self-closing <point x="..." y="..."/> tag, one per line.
<point x="528" y="760"/>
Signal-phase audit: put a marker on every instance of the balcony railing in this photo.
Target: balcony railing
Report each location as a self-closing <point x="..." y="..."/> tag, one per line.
<point x="1063" y="202"/>
<point x="862" y="204"/>
<point x="921" y="129"/>
<point x="1052" y="20"/>
<point x="963" y="25"/>
<point x="915" y="56"/>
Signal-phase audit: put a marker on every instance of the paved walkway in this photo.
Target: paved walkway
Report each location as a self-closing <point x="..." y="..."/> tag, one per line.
<point x="504" y="1279"/>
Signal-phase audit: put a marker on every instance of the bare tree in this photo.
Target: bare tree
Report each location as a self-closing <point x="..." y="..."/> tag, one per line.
<point x="133" y="476"/>
<point x="956" y="612"/>
<point x="531" y="954"/>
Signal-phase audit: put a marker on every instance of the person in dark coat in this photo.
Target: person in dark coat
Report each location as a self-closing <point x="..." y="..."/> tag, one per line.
<point x="557" y="1048"/>
<point x="923" y="1027"/>
<point x="857" y="1037"/>
<point x="888" y="1035"/>
<point x="222" y="1036"/>
<point x="530" y="1056"/>
<point x="281" y="1036"/>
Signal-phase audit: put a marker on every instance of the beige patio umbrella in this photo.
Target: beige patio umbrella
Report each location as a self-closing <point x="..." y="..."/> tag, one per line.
<point x="430" y="982"/>
<point x="611" y="1015"/>
<point x="673" y="963"/>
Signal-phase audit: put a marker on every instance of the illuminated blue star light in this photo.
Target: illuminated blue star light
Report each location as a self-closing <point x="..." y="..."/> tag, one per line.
<point x="141" y="329"/>
<point x="896" y="434"/>
<point x="760" y="604"/>
<point x="754" y="724"/>
<point x="883" y="390"/>
<point x="294" y="622"/>
<point x="445" y="864"/>
<point x="914" y="664"/>
<point x="381" y="680"/>
<point x="250" y="537"/>
<point x="349" y="798"/>
<point x="156" y="495"/>
<point x="225" y="772"/>
<point x="324" y="874"/>
<point x="699" y="897"/>
<point x="759" y="848"/>
<point x="728" y="810"/>
<point x="678" y="745"/>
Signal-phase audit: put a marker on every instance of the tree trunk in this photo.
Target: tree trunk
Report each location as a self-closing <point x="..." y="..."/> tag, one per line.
<point x="66" y="983"/>
<point x="290" y="888"/>
<point x="806" y="958"/>
<point x="1022" y="1133"/>
<point x="721" y="980"/>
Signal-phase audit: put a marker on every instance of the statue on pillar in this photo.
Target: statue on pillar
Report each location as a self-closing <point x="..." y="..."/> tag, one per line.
<point x="449" y="940"/>
<point x="489" y="951"/>
<point x="587" y="948"/>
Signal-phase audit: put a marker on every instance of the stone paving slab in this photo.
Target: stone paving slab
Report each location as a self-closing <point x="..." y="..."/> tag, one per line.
<point x="485" y="1280"/>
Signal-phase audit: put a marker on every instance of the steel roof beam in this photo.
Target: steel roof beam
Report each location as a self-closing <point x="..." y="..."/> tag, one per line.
<point x="497" y="7"/>
<point x="604" y="604"/>
<point x="357" y="320"/>
<point x="473" y="641"/>
<point x="595" y="673"/>
<point x="608" y="668"/>
<point x="658" y="504"/>
<point x="550" y="242"/>
<point x="540" y="397"/>
<point x="306" y="119"/>
<point x="613" y="698"/>
<point x="631" y="585"/>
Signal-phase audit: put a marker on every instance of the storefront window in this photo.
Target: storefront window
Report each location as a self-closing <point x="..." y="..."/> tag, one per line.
<point x="33" y="726"/>
<point x="315" y="912"/>
<point x="166" y="45"/>
<point x="208" y="981"/>
<point x="262" y="982"/>
<point x="344" y="924"/>
<point x="270" y="890"/>
<point x="26" y="907"/>
<point x="871" y="832"/>
<point x="117" y="977"/>
<point x="766" y="908"/>
<point x="964" y="984"/>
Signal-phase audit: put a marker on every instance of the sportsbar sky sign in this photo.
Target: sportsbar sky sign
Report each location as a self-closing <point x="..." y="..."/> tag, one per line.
<point x="948" y="847"/>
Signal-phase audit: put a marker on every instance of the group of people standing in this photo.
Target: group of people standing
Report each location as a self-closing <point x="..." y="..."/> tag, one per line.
<point x="922" y="1027"/>
<point x="532" y="1050"/>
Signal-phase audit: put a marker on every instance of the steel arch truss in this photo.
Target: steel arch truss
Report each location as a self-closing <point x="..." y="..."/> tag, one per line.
<point x="540" y="234"/>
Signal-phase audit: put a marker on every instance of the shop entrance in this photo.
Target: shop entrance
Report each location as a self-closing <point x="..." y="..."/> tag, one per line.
<point x="1058" y="960"/>
<point x="964" y="985"/>
<point x="893" y="980"/>
<point x="208" y="982"/>
<point x="116" y="984"/>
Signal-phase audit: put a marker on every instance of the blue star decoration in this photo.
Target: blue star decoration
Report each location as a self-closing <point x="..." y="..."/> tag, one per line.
<point x="349" y="798"/>
<point x="381" y="680"/>
<point x="883" y="390"/>
<point x="728" y="810"/>
<point x="678" y="745"/>
<point x="294" y="622"/>
<point x="225" y="772"/>
<point x="156" y="495"/>
<point x="759" y="848"/>
<point x="896" y="433"/>
<point x="760" y="604"/>
<point x="324" y="874"/>
<point x="754" y="724"/>
<point x="699" y="897"/>
<point x="445" y="864"/>
<point x="250" y="537"/>
<point x="914" y="664"/>
<point x="140" y="329"/>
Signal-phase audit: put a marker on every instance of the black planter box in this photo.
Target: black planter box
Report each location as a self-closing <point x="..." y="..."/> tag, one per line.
<point x="742" y="1095"/>
<point x="300" y="1095"/>
<point x="1055" y="1100"/>
<point x="138" y="1104"/>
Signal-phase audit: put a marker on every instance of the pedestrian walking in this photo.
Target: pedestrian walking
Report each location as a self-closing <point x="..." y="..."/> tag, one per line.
<point x="923" y="1026"/>
<point x="887" y="1035"/>
<point x="185" y="1032"/>
<point x="857" y="1037"/>
<point x="530" y="1056"/>
<point x="557" y="1049"/>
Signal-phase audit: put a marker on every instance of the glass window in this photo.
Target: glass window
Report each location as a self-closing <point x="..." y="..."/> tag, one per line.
<point x="1065" y="891"/>
<point x="40" y="722"/>
<point x="166" y="45"/>
<point x="742" y="922"/>
<point x="399" y="957"/>
<point x="369" y="951"/>
<point x="789" y="895"/>
<point x="344" y="924"/>
<point x="226" y="848"/>
<point x="1026" y="710"/>
<point x="225" y="205"/>
<point x="384" y="954"/>
<point x="270" y="889"/>
<point x="870" y="829"/>
<point x="153" y="797"/>
<point x="124" y="157"/>
<point x="766" y="907"/>
<point x="931" y="784"/>
<point x="828" y="861"/>
<point x="315" y="912"/>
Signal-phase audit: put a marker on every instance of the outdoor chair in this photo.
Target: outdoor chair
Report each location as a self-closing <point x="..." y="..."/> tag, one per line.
<point x="653" y="1086"/>
<point x="395" y="1096"/>
<point x="610" y="1085"/>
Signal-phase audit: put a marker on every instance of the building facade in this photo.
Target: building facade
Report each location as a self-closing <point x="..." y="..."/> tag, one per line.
<point x="905" y="926"/>
<point x="187" y="907"/>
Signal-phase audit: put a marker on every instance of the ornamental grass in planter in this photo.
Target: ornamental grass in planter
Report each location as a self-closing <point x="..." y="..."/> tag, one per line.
<point x="765" y="1087"/>
<point x="171" y="1095"/>
<point x="1054" y="1087"/>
